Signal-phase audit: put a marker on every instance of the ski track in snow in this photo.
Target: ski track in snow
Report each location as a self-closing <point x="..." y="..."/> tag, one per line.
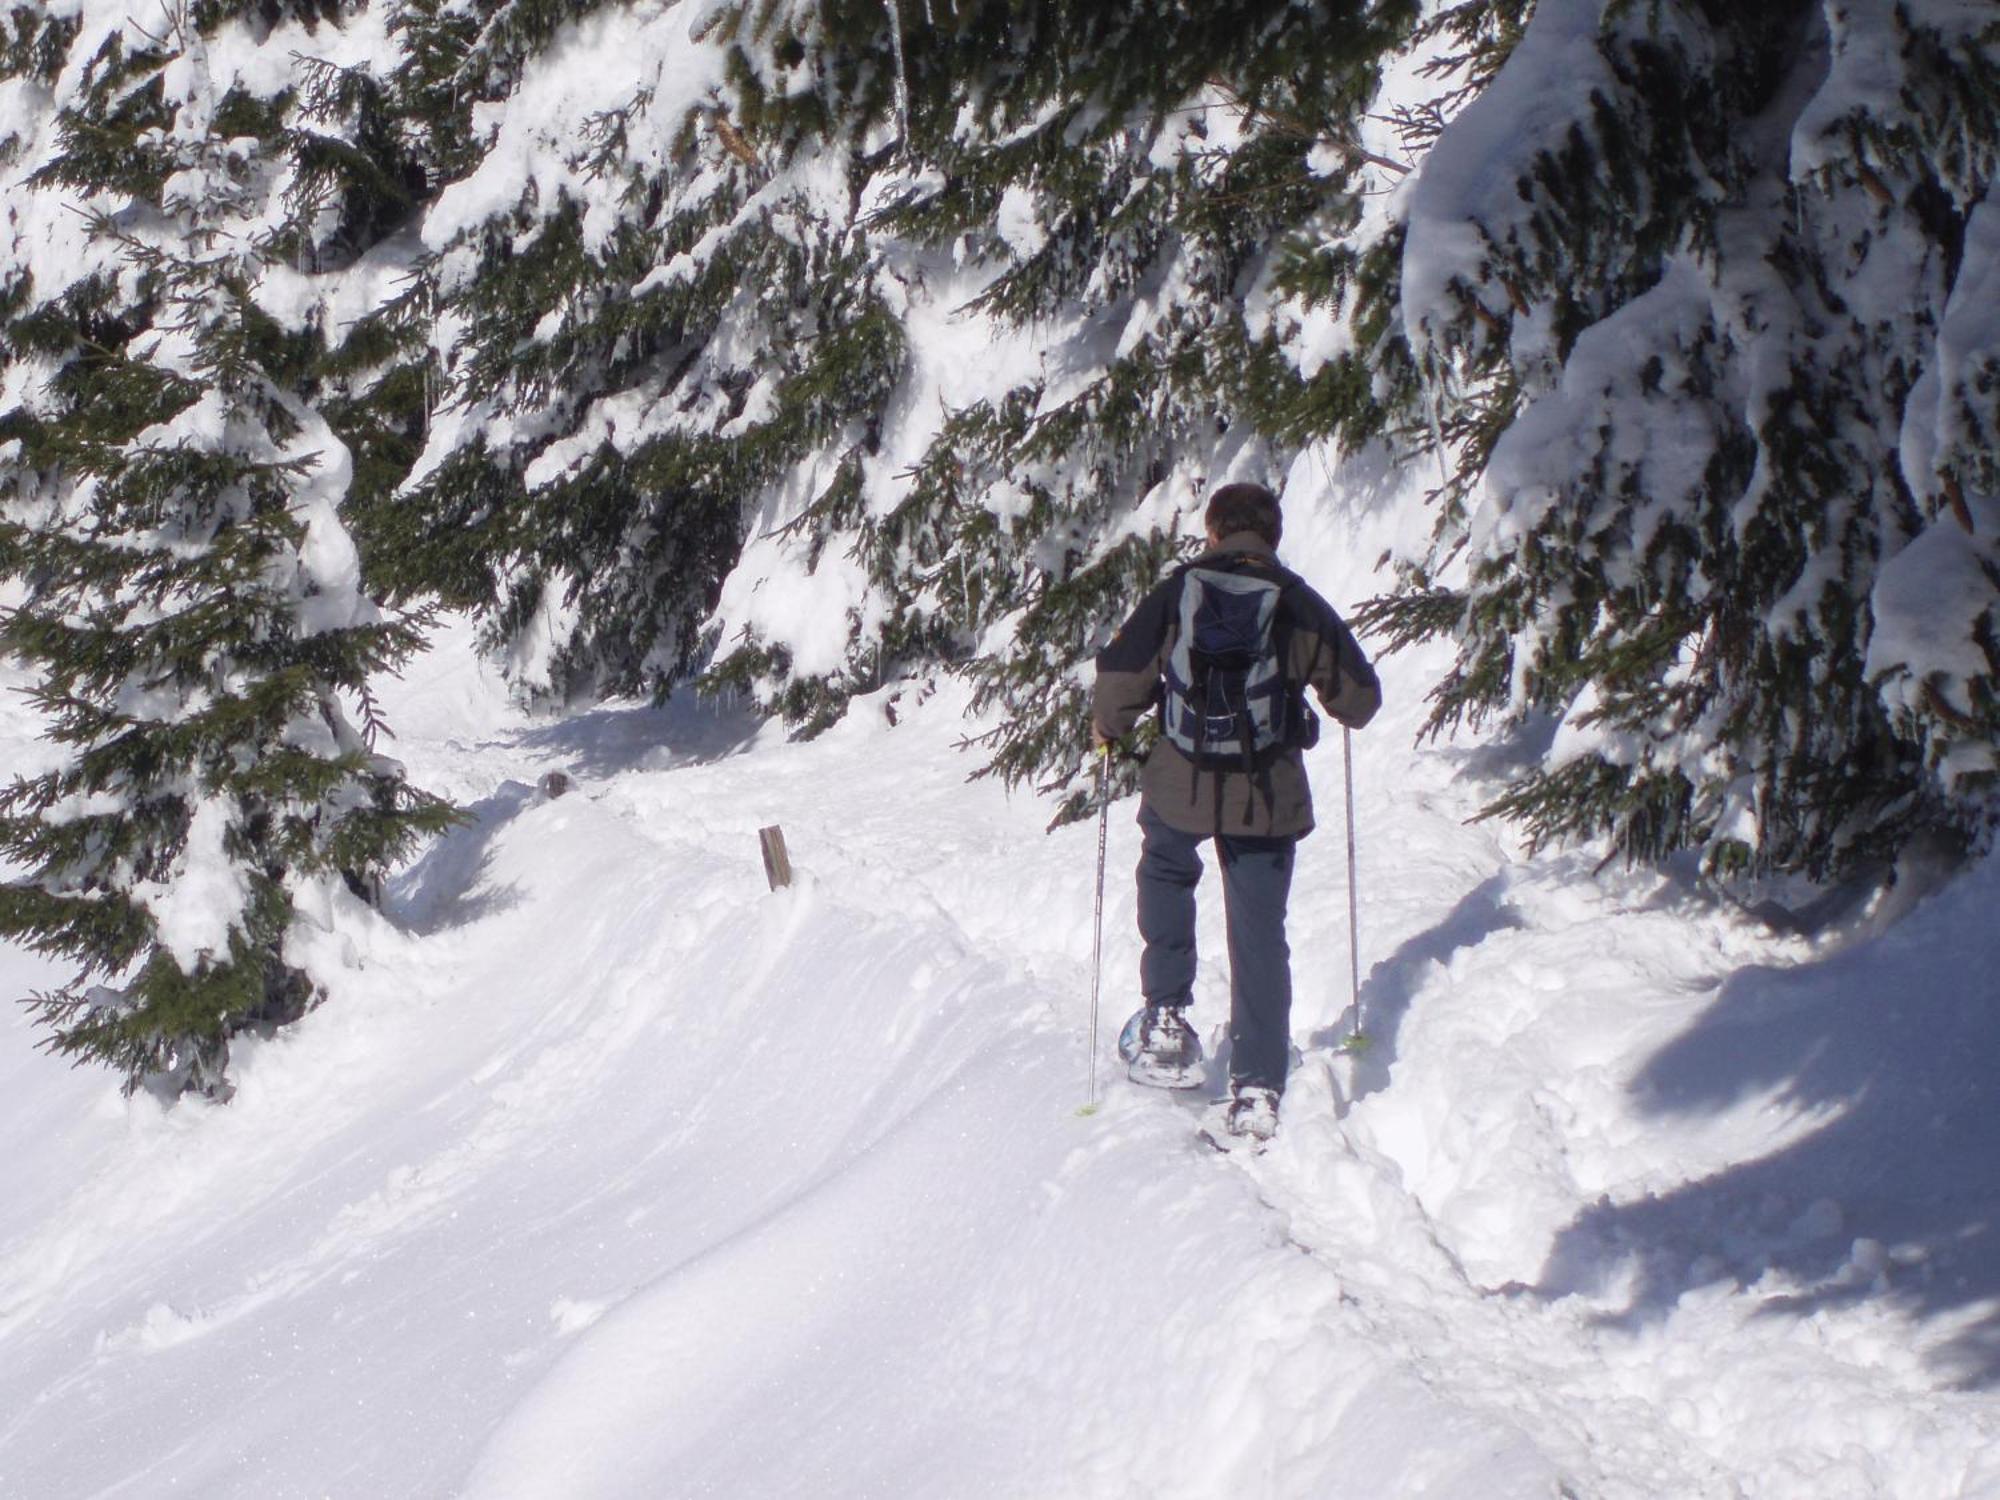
<point x="607" y="1172"/>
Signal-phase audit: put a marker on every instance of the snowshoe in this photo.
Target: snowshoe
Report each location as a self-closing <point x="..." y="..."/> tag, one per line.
<point x="1161" y="1050"/>
<point x="1245" y="1122"/>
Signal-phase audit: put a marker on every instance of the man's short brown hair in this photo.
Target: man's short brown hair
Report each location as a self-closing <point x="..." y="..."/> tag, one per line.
<point x="1244" y="507"/>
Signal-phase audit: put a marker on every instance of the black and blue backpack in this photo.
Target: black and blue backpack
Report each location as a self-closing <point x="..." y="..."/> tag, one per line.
<point x="1228" y="702"/>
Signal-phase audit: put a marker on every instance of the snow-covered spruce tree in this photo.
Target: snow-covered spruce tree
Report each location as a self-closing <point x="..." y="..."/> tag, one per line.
<point x="669" y="285"/>
<point x="655" y="336"/>
<point x="33" y="43"/>
<point x="1709" y="292"/>
<point x="375" y="138"/>
<point x="189" y="596"/>
<point x="1148" y="192"/>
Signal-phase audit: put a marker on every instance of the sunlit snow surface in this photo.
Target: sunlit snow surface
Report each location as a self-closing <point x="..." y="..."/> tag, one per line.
<point x="606" y="1172"/>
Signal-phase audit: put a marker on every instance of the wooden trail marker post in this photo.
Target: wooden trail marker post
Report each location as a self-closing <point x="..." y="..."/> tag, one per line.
<point x="777" y="863"/>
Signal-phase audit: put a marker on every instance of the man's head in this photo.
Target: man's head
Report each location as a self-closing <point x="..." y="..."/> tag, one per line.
<point x="1243" y="507"/>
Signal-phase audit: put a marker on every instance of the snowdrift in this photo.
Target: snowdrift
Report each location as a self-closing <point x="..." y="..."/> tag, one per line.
<point x="606" y="1171"/>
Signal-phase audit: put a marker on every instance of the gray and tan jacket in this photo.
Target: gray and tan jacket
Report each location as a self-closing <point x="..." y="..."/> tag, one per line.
<point x="1273" y="802"/>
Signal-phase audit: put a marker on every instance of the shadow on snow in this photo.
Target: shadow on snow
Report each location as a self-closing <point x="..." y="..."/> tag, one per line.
<point x="603" y="742"/>
<point x="1893" y="1199"/>
<point x="1393" y="983"/>
<point x="446" y="887"/>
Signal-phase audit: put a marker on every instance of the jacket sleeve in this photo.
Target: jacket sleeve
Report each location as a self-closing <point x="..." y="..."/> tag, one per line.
<point x="1336" y="666"/>
<point x="1128" y="670"/>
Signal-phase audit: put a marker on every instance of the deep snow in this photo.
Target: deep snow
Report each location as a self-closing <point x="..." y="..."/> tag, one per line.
<point x="606" y="1172"/>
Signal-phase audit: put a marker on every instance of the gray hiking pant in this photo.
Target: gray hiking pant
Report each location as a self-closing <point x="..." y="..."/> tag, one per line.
<point x="1256" y="884"/>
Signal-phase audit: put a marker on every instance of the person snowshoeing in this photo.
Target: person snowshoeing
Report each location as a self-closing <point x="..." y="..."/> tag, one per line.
<point x="1226" y="647"/>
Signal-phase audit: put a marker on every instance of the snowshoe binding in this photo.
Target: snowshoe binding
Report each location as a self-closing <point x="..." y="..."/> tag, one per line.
<point x="1161" y="1050"/>
<point x="1244" y="1123"/>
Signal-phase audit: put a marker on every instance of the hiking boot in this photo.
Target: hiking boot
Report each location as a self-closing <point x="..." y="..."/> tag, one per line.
<point x="1161" y="1050"/>
<point x="1252" y="1112"/>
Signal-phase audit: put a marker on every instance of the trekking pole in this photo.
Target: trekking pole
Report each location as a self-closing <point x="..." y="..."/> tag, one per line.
<point x="1097" y="919"/>
<point x="1353" y="896"/>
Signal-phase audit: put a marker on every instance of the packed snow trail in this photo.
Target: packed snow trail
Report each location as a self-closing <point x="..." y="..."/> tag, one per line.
<point x="503" y="1202"/>
<point x="608" y="1172"/>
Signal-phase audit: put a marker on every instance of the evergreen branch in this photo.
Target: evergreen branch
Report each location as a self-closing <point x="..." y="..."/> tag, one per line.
<point x="1293" y="124"/>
